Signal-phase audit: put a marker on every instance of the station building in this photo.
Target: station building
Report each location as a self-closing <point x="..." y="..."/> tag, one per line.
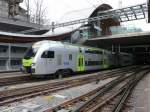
<point x="11" y="55"/>
<point x="103" y="32"/>
<point x="11" y="52"/>
<point x="19" y="23"/>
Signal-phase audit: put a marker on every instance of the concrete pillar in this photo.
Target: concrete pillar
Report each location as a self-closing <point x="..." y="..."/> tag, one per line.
<point x="117" y="52"/>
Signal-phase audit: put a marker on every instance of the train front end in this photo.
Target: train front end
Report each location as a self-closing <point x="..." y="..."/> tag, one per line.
<point x="27" y="61"/>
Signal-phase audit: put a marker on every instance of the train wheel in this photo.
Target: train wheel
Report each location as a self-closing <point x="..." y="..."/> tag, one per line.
<point x="67" y="72"/>
<point x="63" y="73"/>
<point x="59" y="74"/>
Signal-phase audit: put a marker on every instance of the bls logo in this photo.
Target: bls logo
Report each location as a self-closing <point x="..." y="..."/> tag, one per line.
<point x="66" y="63"/>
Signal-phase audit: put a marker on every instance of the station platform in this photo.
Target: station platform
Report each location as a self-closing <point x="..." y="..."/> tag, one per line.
<point x="141" y="95"/>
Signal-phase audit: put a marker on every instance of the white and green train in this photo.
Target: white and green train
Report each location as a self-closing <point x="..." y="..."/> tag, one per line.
<point x="50" y="57"/>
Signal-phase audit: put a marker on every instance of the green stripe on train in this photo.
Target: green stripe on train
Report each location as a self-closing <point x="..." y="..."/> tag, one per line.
<point x="80" y="63"/>
<point x="105" y="63"/>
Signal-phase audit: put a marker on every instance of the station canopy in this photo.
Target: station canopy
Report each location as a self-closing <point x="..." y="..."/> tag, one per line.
<point x="137" y="38"/>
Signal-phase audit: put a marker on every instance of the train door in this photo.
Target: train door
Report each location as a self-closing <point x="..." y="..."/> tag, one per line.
<point x="80" y="63"/>
<point x="42" y="63"/>
<point x="48" y="62"/>
<point x="105" y="60"/>
<point x="59" y="60"/>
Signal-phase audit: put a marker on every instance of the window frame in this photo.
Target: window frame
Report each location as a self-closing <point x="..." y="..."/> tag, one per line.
<point x="48" y="56"/>
<point x="70" y="57"/>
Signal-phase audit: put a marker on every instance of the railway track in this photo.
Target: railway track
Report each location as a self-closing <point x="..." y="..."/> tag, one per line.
<point x="19" y="80"/>
<point x="15" y="80"/>
<point x="108" y="98"/>
<point x="9" y="96"/>
<point x="5" y="81"/>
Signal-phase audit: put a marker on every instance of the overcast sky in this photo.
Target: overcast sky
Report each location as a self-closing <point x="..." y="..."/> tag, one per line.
<point x="56" y="9"/>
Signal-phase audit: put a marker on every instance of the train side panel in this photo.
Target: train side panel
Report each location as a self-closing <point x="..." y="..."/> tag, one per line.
<point x="125" y="59"/>
<point x="52" y="57"/>
<point x="93" y="61"/>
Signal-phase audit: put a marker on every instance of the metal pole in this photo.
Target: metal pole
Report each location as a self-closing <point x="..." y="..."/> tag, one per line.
<point x="53" y="26"/>
<point x="9" y="57"/>
<point x="112" y="48"/>
<point x="28" y="17"/>
<point x="119" y="48"/>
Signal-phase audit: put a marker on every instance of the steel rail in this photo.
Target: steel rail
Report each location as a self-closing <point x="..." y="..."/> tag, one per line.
<point x="128" y="91"/>
<point x="26" y="79"/>
<point x="19" y="94"/>
<point x="100" y="90"/>
<point x="101" y="93"/>
<point x="116" y="95"/>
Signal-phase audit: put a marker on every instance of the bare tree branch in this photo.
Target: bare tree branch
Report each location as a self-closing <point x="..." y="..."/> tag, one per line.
<point x="38" y="14"/>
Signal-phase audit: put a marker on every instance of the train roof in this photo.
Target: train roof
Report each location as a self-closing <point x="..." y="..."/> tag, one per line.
<point x="37" y="44"/>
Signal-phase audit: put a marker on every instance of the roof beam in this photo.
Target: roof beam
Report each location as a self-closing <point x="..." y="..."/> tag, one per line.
<point x="127" y="12"/>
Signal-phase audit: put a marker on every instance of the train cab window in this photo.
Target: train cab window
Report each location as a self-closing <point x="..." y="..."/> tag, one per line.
<point x="30" y="53"/>
<point x="94" y="51"/>
<point x="48" y="54"/>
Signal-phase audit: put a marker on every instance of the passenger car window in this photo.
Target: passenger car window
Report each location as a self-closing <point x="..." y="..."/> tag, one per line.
<point x="48" y="54"/>
<point x="70" y="56"/>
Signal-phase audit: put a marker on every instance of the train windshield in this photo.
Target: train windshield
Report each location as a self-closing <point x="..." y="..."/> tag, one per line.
<point x="30" y="53"/>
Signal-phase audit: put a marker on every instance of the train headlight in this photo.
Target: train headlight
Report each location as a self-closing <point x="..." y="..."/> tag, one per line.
<point x="33" y="64"/>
